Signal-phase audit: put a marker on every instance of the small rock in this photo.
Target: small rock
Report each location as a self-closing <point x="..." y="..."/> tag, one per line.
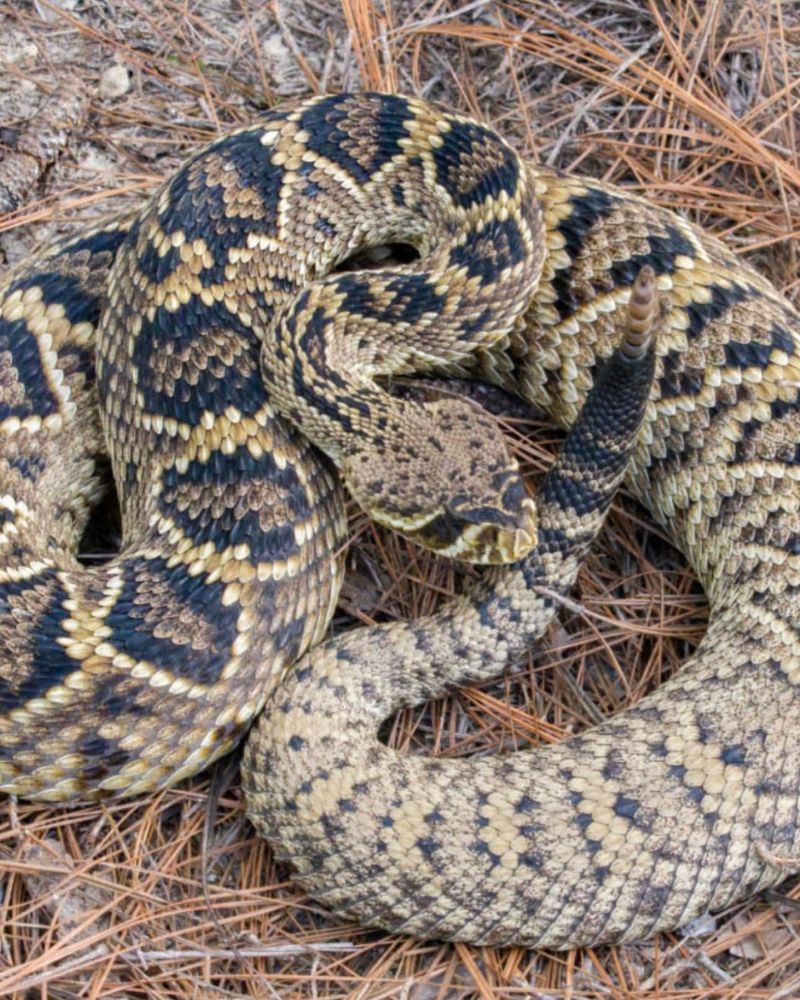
<point x="701" y="926"/>
<point x="114" y="82"/>
<point x="46" y="13"/>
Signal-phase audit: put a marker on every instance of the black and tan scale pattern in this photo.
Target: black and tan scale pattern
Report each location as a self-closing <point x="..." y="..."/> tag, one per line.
<point x="124" y="677"/>
<point x="690" y="800"/>
<point x="313" y="791"/>
<point x="130" y="675"/>
<point x="463" y="201"/>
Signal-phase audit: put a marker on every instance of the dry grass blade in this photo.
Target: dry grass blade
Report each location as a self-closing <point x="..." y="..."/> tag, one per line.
<point x="692" y="104"/>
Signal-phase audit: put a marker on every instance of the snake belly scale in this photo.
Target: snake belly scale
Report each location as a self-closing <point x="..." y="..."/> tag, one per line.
<point x="130" y="675"/>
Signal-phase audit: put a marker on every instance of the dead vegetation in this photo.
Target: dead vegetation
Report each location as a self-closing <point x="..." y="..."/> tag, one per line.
<point x="693" y="104"/>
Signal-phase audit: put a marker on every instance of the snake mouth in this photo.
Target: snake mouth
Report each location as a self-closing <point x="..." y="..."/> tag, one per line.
<point x="511" y="545"/>
<point x="483" y="534"/>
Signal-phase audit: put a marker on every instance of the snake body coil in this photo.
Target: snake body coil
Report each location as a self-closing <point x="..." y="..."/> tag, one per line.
<point x="125" y="676"/>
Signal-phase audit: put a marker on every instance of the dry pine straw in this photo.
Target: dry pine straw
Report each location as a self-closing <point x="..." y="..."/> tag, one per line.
<point x="693" y="104"/>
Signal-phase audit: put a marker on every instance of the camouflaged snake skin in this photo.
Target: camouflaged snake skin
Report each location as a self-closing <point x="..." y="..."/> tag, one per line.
<point x="123" y="677"/>
<point x="126" y="676"/>
<point x="686" y="802"/>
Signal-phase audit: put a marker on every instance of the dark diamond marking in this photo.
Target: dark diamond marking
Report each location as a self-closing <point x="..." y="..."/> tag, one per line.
<point x="626" y="807"/>
<point x="734" y="755"/>
<point x="428" y="846"/>
<point x="132" y="628"/>
<point x="486" y="254"/>
<point x="333" y="135"/>
<point x="452" y="159"/>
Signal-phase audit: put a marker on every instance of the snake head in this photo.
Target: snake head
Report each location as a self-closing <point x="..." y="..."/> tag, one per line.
<point x="440" y="473"/>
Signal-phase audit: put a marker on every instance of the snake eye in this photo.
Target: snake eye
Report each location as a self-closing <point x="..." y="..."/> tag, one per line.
<point x="480" y="515"/>
<point x="514" y="494"/>
<point x="442" y="531"/>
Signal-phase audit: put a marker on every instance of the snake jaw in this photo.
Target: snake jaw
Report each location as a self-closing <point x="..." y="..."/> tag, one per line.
<point x="519" y="544"/>
<point x="485" y="534"/>
<point x="507" y="542"/>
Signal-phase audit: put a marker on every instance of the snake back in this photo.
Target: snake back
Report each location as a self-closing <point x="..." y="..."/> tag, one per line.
<point x="141" y="342"/>
<point x="144" y="339"/>
<point x="689" y="800"/>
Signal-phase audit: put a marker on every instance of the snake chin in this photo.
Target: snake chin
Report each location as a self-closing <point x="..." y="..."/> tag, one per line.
<point x="485" y="535"/>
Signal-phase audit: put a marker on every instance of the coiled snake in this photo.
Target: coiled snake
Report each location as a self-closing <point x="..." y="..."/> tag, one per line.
<point x="119" y="678"/>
